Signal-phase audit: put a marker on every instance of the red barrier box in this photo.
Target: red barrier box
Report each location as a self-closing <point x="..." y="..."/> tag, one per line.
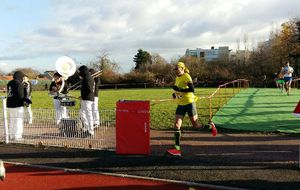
<point x="133" y="127"/>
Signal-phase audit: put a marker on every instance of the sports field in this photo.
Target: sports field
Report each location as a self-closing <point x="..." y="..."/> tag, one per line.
<point x="264" y="110"/>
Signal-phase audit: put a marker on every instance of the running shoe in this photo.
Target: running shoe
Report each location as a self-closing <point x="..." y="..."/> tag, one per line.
<point x="174" y="152"/>
<point x="214" y="130"/>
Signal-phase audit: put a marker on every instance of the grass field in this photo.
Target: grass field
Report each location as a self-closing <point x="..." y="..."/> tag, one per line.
<point x="162" y="112"/>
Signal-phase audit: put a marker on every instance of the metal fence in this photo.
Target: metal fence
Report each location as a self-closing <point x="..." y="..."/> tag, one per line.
<point x="43" y="131"/>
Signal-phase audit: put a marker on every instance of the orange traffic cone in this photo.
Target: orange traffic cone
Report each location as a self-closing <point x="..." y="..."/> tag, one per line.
<point x="297" y="110"/>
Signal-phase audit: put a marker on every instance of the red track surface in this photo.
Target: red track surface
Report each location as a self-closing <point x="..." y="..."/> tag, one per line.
<point x="20" y="177"/>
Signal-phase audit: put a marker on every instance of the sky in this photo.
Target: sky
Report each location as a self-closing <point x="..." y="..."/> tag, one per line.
<point x="35" y="33"/>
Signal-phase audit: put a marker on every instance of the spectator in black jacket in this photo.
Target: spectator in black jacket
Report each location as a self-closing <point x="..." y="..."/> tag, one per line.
<point x="15" y="105"/>
<point x="96" y="100"/>
<point x="87" y="100"/>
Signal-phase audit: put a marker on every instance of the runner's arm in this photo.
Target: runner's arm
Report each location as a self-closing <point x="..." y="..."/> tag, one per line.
<point x="189" y="89"/>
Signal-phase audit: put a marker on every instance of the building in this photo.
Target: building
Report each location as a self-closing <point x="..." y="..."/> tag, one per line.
<point x="211" y="54"/>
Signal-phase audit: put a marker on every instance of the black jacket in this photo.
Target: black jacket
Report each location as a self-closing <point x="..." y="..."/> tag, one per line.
<point x="15" y="91"/>
<point x="87" y="84"/>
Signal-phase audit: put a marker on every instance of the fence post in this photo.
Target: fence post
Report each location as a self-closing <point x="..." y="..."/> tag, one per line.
<point x="210" y="110"/>
<point x="5" y="123"/>
<point x="220" y="99"/>
<point x="225" y="92"/>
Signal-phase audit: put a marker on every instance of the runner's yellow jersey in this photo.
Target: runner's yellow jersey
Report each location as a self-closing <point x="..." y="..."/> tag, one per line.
<point x="184" y="98"/>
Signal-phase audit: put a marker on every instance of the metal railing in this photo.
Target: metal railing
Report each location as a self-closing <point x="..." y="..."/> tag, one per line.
<point x="224" y="93"/>
<point x="43" y="131"/>
<point x="207" y="104"/>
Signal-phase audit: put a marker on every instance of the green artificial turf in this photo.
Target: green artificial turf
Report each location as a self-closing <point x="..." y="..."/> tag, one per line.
<point x="261" y="109"/>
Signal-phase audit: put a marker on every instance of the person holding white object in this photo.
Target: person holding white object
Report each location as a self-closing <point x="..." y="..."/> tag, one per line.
<point x="55" y="86"/>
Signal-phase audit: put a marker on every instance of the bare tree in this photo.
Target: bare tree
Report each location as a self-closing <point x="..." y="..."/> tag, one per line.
<point x="109" y="68"/>
<point x="245" y="42"/>
<point x="238" y="41"/>
<point x="31" y="73"/>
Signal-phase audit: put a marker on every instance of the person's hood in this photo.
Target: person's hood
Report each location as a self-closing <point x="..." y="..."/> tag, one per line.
<point x="18" y="75"/>
<point x="83" y="71"/>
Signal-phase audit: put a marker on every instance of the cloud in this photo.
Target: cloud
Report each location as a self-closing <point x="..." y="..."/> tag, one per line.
<point x="5" y="67"/>
<point x="81" y="28"/>
<point x="3" y="64"/>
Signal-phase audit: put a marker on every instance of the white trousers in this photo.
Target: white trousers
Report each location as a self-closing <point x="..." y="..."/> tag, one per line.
<point x="60" y="111"/>
<point x="28" y="114"/>
<point x="96" y="111"/>
<point x="16" y="122"/>
<point x="86" y="115"/>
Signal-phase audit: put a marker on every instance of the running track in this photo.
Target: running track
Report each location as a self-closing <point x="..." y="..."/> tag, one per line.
<point x="26" y="177"/>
